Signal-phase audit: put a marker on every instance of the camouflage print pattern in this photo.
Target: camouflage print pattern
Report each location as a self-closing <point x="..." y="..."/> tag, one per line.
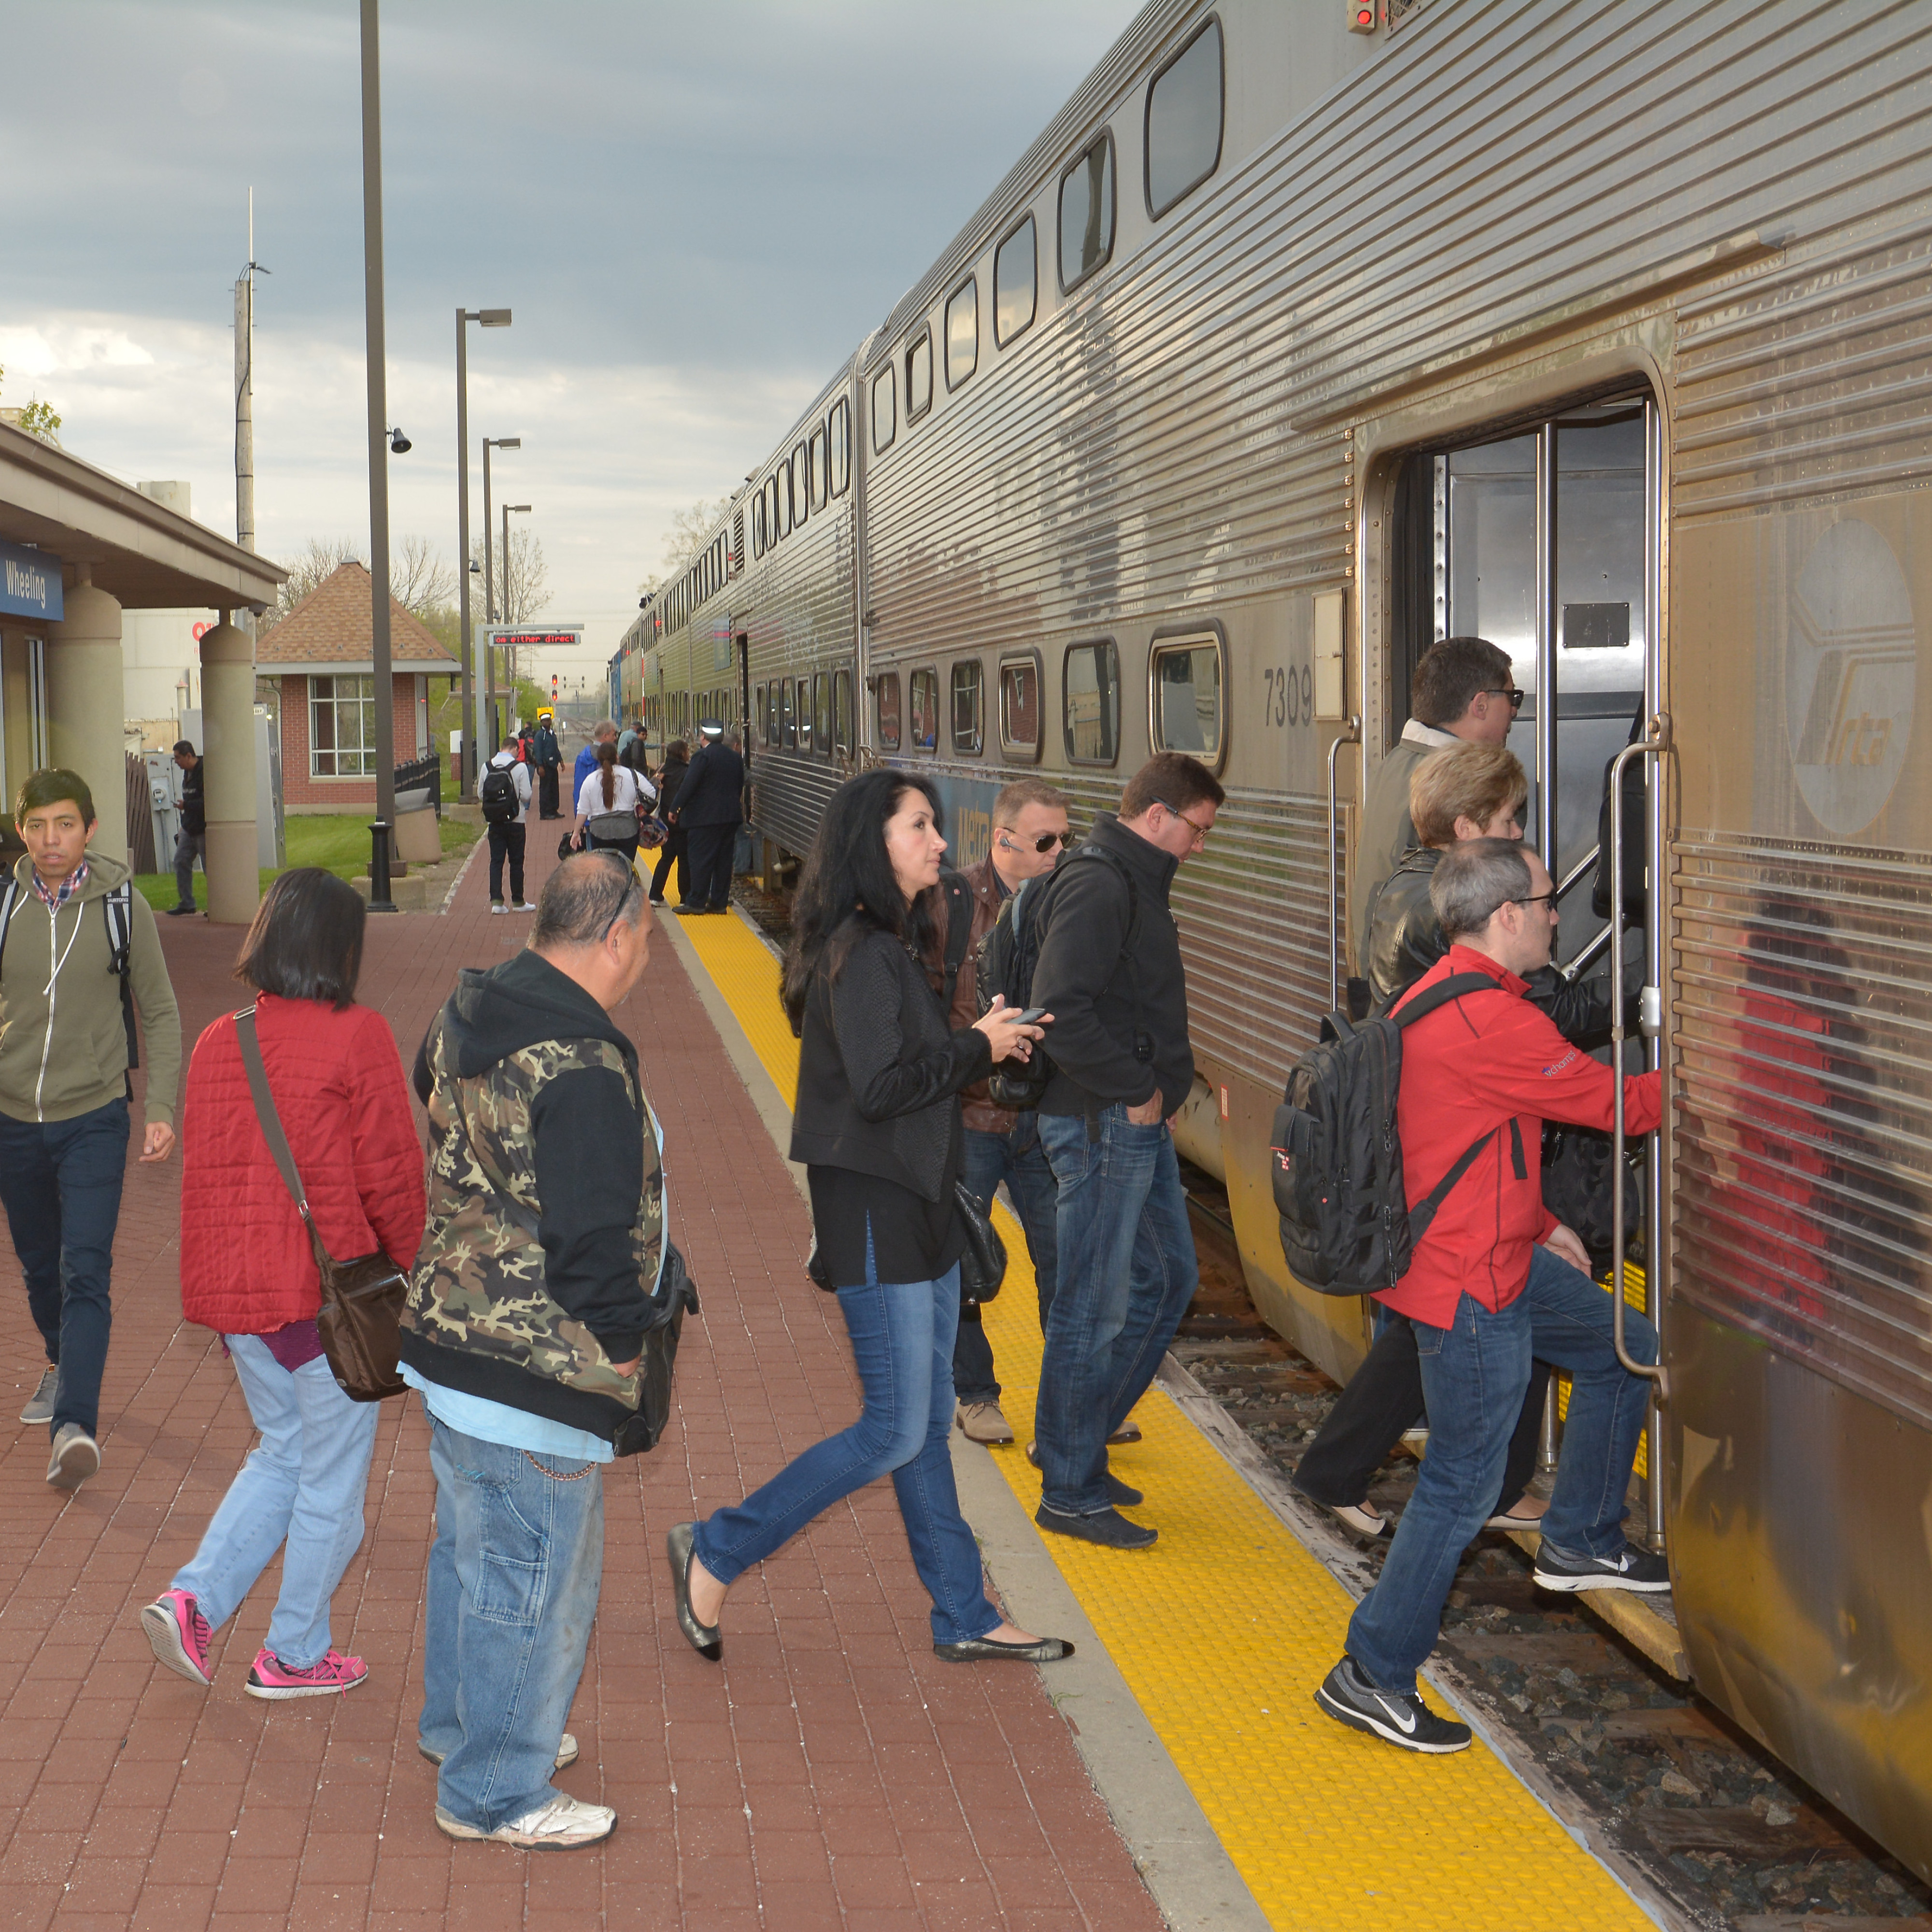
<point x="478" y="1282"/>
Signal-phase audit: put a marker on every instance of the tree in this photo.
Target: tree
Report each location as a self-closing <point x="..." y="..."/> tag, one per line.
<point x="520" y="588"/>
<point x="419" y="580"/>
<point x="36" y="418"/>
<point x="686" y="536"/>
<point x="318" y="560"/>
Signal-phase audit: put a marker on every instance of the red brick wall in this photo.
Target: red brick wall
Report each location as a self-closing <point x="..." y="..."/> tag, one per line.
<point x="302" y="792"/>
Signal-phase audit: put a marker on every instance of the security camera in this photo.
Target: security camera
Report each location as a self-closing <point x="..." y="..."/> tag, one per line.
<point x="399" y="444"/>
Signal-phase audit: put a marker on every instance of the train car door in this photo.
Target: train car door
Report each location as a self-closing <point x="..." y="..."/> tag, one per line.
<point x="1545" y="539"/>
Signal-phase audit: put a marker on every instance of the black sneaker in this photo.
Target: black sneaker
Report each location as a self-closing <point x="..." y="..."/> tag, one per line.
<point x="1122" y="1495"/>
<point x="181" y="911"/>
<point x="1631" y="1569"/>
<point x="1109" y="1528"/>
<point x="1400" y="1717"/>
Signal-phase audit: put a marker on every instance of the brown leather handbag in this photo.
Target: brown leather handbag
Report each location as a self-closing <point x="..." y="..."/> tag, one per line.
<point x="360" y="1323"/>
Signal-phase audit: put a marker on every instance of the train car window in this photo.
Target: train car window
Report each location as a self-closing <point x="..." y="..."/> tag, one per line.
<point x="841" y="436"/>
<point x="1091" y="679"/>
<point x="804" y="701"/>
<point x="1187" y="698"/>
<point x="787" y="718"/>
<point x="1183" y="121"/>
<point x="758" y="711"/>
<point x="801" y="486"/>
<point x="885" y="422"/>
<point x="925" y="711"/>
<point x="968" y="707"/>
<point x="886" y="691"/>
<point x="1086" y="213"/>
<point x="1019" y="707"/>
<point x="919" y="374"/>
<point x="842" y="712"/>
<point x="962" y="332"/>
<point x="781" y="497"/>
<point x="817" y="463"/>
<point x="1016" y="283"/>
<point x="821" y="711"/>
<point x="758" y="526"/>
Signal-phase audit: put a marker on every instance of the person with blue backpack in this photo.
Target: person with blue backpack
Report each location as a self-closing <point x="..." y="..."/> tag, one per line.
<point x="1109" y="969"/>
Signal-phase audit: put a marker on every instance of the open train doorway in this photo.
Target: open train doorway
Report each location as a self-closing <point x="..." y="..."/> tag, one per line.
<point x="1545" y="537"/>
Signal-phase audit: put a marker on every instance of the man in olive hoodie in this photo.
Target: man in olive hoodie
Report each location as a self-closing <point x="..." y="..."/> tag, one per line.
<point x="64" y="1091"/>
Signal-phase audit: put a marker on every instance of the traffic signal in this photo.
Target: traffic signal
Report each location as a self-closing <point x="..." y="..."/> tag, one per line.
<point x="1362" y="16"/>
<point x="552" y="687"/>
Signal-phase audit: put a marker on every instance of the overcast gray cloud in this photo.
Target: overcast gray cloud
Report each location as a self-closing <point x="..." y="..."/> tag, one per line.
<point x="696" y="212"/>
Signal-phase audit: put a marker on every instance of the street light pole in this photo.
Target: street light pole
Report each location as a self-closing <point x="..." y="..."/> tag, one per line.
<point x="490" y="318"/>
<point x="509" y="510"/>
<point x="490" y="605"/>
<point x="379" y="462"/>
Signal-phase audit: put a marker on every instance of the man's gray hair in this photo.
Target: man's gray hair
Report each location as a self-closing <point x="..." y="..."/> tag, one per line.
<point x="1474" y="877"/>
<point x="604" y="728"/>
<point x="584" y="899"/>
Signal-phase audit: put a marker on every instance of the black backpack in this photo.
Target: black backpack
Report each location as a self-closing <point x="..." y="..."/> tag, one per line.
<point x="497" y="796"/>
<point x="1007" y="957"/>
<point x="1346" y="1225"/>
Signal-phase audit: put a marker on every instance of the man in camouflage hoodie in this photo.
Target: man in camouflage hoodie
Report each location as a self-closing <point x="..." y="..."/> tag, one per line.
<point x="523" y="1332"/>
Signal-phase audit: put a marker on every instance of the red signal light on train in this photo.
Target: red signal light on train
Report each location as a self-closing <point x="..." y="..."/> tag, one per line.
<point x="1362" y="16"/>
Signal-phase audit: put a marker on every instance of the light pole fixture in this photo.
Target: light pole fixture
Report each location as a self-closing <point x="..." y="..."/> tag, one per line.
<point x="490" y="608"/>
<point x="490" y="318"/>
<point x="399" y="444"/>
<point x="380" y="831"/>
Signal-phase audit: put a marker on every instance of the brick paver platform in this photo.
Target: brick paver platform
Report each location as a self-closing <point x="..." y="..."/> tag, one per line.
<point x="832" y="1773"/>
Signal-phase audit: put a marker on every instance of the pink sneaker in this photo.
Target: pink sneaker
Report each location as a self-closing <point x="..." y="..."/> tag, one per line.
<point x="180" y="1635"/>
<point x="272" y="1678"/>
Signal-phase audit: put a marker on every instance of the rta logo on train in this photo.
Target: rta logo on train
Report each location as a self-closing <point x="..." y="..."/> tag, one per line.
<point x="1851" y="675"/>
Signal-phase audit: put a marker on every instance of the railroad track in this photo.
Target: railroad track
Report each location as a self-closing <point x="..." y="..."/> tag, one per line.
<point x="1697" y="1816"/>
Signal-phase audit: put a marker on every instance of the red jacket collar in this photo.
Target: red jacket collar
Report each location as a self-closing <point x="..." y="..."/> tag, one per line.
<point x="1467" y="959"/>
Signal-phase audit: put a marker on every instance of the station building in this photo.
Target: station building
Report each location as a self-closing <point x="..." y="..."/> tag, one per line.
<point x="78" y="549"/>
<point x="317" y="669"/>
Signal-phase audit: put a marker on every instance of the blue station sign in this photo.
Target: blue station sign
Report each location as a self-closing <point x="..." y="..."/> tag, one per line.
<point x="30" y="584"/>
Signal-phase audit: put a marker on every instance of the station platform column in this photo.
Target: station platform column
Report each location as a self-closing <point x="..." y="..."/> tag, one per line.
<point x="228" y="725"/>
<point x="84" y="706"/>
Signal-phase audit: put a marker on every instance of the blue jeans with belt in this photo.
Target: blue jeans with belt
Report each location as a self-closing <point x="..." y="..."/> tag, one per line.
<point x="1017" y="1158"/>
<point x="60" y="1181"/>
<point x="1473" y="1374"/>
<point x="513" y="1578"/>
<point x="1126" y="1274"/>
<point x="902" y="1344"/>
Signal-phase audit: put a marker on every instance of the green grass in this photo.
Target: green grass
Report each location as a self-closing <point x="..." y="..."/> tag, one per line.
<point x="338" y="842"/>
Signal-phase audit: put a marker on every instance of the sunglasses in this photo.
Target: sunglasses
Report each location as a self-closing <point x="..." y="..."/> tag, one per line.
<point x="1045" y="842"/>
<point x="1515" y="697"/>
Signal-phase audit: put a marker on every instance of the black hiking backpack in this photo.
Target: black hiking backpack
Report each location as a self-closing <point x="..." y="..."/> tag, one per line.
<point x="1346" y="1225"/>
<point x="497" y="796"/>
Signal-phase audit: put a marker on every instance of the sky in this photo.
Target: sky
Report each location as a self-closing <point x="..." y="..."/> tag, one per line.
<point x="695" y="211"/>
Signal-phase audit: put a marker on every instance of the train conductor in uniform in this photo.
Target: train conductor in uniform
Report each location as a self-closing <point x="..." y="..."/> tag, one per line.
<point x="710" y="807"/>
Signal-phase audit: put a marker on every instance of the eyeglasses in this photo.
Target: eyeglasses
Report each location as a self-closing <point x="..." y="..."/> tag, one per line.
<point x="1199" y="830"/>
<point x="1045" y="842"/>
<point x="1512" y="693"/>
<point x="1536" y="898"/>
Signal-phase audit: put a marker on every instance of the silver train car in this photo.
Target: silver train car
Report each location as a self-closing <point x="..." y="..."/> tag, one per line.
<point x="1602" y="329"/>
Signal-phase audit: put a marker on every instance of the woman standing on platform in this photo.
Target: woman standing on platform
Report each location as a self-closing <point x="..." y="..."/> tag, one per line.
<point x="249" y="1272"/>
<point x="607" y="806"/>
<point x="677" y="841"/>
<point x="877" y="1125"/>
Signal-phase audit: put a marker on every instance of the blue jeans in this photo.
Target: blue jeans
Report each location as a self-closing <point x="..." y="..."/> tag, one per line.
<point x="61" y="1182"/>
<point x="1126" y="1274"/>
<point x="189" y="846"/>
<point x="303" y="1485"/>
<point x="513" y="1577"/>
<point x="1473" y="1374"/>
<point x="1017" y="1159"/>
<point x="902" y="1344"/>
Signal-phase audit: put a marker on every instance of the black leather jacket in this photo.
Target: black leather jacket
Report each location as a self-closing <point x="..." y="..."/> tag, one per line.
<point x="1404" y="941"/>
<point x="880" y="1072"/>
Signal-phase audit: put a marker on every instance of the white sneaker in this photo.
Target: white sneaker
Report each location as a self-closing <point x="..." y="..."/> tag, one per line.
<point x="497" y="905"/>
<point x="76" y="1457"/>
<point x="562" y="1825"/>
<point x="523" y="908"/>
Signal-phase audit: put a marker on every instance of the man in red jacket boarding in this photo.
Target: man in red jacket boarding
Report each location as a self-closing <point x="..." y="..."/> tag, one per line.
<point x="1495" y="1280"/>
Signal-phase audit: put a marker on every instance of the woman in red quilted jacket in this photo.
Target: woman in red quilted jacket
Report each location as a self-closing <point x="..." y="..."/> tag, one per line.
<point x="248" y="1272"/>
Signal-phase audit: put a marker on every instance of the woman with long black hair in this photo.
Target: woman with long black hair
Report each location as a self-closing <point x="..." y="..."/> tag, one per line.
<point x="877" y="1126"/>
<point x="606" y="805"/>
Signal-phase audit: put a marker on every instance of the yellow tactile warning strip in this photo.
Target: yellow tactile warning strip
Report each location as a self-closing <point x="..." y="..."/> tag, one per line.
<point x="1223" y="1629"/>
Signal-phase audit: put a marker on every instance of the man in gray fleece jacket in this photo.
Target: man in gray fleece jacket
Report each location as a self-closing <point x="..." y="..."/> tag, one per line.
<point x="64" y="1091"/>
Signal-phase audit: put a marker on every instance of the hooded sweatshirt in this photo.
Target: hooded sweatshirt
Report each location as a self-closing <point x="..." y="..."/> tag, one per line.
<point x="546" y="1201"/>
<point x="63" y="1042"/>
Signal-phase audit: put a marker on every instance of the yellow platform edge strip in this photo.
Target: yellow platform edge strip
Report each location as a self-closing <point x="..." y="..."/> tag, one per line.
<point x="1223" y="1629"/>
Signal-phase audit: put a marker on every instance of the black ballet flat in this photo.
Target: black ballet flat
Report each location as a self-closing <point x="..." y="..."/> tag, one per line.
<point x="703" y="1638"/>
<point x="1048" y="1650"/>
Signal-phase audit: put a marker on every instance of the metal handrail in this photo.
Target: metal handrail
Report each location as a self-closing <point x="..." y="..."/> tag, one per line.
<point x="1577" y="871"/>
<point x="1653" y="743"/>
<point x="1587" y="956"/>
<point x="1350" y="733"/>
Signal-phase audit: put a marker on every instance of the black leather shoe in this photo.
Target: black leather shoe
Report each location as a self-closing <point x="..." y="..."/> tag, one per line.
<point x="1048" y="1650"/>
<point x="1110" y="1529"/>
<point x="703" y="1638"/>
<point x="1122" y="1495"/>
<point x="691" y="911"/>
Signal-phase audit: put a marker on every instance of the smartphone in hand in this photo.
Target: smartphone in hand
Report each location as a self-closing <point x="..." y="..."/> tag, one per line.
<point x="1031" y="1017"/>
